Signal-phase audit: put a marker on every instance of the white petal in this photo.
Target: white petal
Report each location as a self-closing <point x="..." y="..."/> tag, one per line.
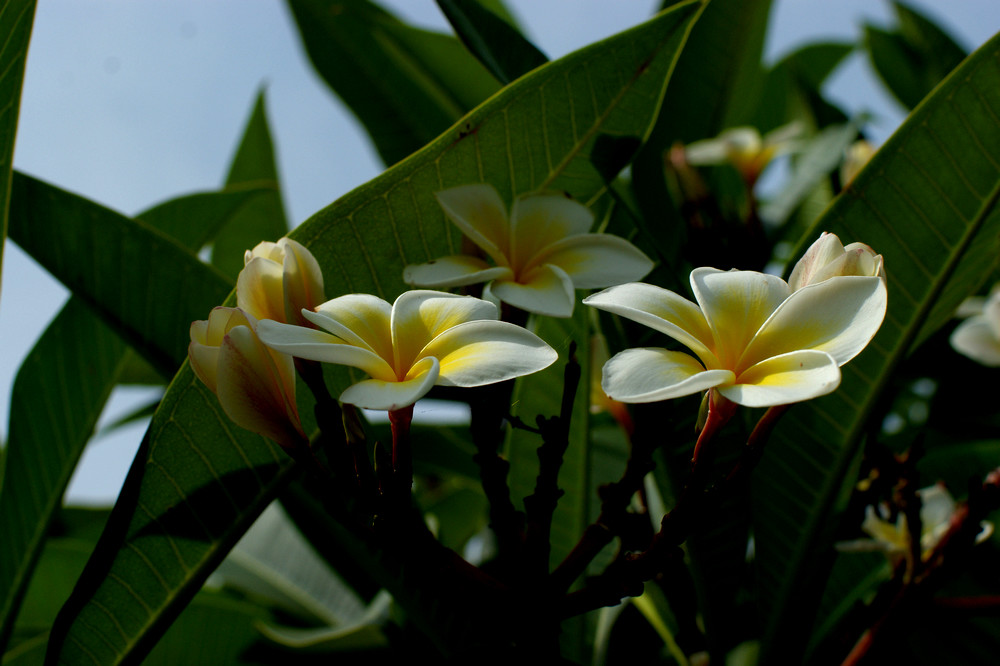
<point x="483" y="352"/>
<point x="259" y="289"/>
<point x="320" y="346"/>
<point x="782" y="380"/>
<point x="392" y="395"/>
<point x="596" y="260"/>
<point x="359" y="319"/>
<point x="303" y="280"/>
<point x="421" y="315"/>
<point x="976" y="339"/>
<point x="538" y="220"/>
<point x="255" y="391"/>
<point x="661" y="310"/>
<point x="838" y="316"/>
<point x="454" y="271"/>
<point x="649" y="375"/>
<point x="545" y="290"/>
<point x="736" y="304"/>
<point x="478" y="211"/>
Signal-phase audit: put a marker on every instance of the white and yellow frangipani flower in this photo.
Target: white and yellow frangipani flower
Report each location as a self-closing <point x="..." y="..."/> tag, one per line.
<point x="978" y="337"/>
<point x="255" y="385"/>
<point x="857" y="155"/>
<point x="758" y="343"/>
<point x="541" y="253"/>
<point x="827" y="257"/>
<point x="425" y="338"/>
<point x="278" y="280"/>
<point x="745" y="149"/>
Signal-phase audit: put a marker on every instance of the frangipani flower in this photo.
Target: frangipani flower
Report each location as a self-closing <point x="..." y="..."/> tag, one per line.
<point x="827" y="257"/>
<point x="744" y="148"/>
<point x="278" y="280"/>
<point x="424" y="338"/>
<point x="540" y="254"/>
<point x="978" y="337"/>
<point x="255" y="385"/>
<point x="757" y="342"/>
<point x="856" y="157"/>
<point x="893" y="538"/>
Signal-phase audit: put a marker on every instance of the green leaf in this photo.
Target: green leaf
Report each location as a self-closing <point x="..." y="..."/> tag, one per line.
<point x="58" y="394"/>
<point x="405" y="85"/>
<point x="499" y="46"/>
<point x="927" y="203"/>
<point x="143" y="283"/>
<point x="16" y="18"/>
<point x="201" y="480"/>
<point x="719" y="69"/>
<point x="263" y="217"/>
<point x="61" y="388"/>
<point x="792" y="88"/>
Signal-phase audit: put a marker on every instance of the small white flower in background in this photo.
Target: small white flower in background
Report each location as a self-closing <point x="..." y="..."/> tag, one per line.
<point x="856" y="157"/>
<point x="978" y="337"/>
<point x="541" y="253"/>
<point x="745" y="149"/>
<point x="893" y="538"/>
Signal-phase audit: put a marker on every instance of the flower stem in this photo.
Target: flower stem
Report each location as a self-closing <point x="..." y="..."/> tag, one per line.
<point x="402" y="457"/>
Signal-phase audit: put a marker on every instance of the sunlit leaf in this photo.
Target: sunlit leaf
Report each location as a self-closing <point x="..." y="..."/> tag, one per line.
<point x="927" y="202"/>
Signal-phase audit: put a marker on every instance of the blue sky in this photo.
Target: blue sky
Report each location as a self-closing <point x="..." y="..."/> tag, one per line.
<point x="131" y="104"/>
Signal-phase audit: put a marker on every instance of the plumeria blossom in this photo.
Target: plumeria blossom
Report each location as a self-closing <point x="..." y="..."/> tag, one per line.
<point x="893" y="537"/>
<point x="425" y="338"/>
<point x="255" y="385"/>
<point x="978" y="337"/>
<point x="827" y="257"/>
<point x="757" y="341"/>
<point x="744" y="148"/>
<point x="856" y="157"/>
<point x="541" y="253"/>
<point x="278" y="280"/>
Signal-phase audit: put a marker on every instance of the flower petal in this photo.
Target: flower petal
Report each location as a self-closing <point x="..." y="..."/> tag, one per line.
<point x="207" y="336"/>
<point x="538" y="220"/>
<point x="303" y="281"/>
<point x="392" y="395"/>
<point x="478" y="211"/>
<point x="259" y="289"/>
<point x="596" y="260"/>
<point x="838" y="316"/>
<point x="736" y="304"/>
<point x="359" y="319"/>
<point x="420" y="315"/>
<point x="976" y="339"/>
<point x="256" y="388"/>
<point x="781" y="380"/>
<point x="320" y="346"/>
<point x="661" y="310"/>
<point x="454" y="271"/>
<point x="483" y="352"/>
<point x="649" y="374"/>
<point x="545" y="290"/>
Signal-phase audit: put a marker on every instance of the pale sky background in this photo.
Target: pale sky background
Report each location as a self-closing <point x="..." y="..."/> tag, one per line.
<point x="132" y="103"/>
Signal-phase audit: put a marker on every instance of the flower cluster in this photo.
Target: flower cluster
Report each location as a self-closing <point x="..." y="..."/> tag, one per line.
<point x="757" y="339"/>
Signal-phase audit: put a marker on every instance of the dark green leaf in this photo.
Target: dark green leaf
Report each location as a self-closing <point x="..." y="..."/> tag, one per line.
<point x="897" y="64"/>
<point x="405" y="85"/>
<point x="143" y="283"/>
<point x="16" y="18"/>
<point x="499" y="46"/>
<point x="263" y="217"/>
<point x="927" y="203"/>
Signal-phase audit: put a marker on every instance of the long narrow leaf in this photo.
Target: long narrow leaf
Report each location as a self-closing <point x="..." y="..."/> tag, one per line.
<point x="16" y="17"/>
<point x="205" y="479"/>
<point x="927" y="202"/>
